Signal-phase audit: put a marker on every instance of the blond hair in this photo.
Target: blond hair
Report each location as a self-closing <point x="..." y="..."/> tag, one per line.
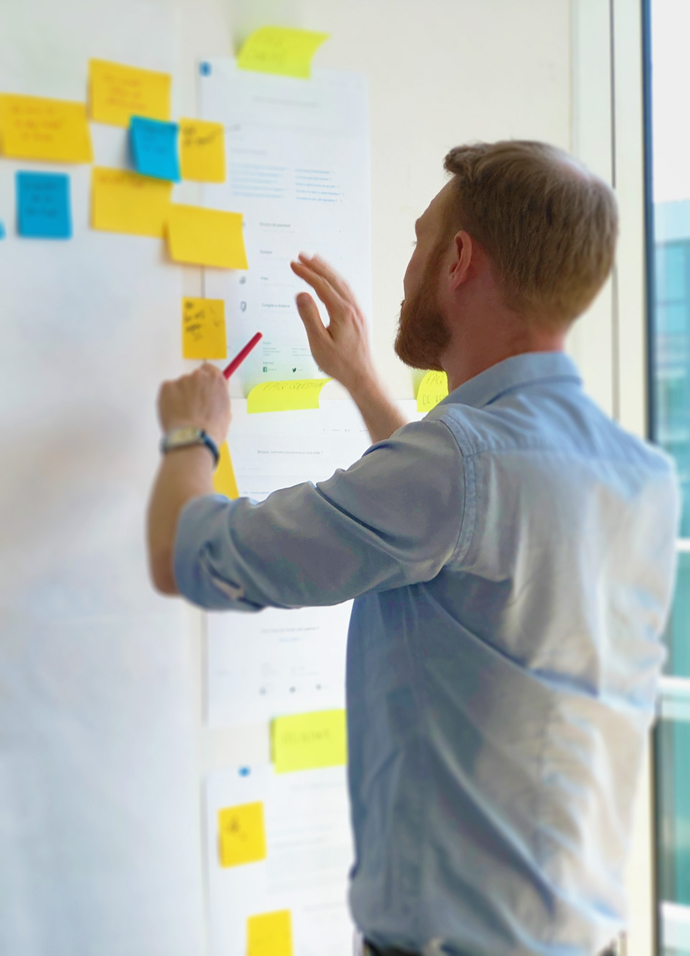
<point x="547" y="223"/>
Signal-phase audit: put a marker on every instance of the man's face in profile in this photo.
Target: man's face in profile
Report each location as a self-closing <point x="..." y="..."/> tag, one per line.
<point x="423" y="334"/>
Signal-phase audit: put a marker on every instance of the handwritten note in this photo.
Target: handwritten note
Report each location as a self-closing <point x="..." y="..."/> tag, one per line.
<point x="224" y="482"/>
<point x="203" y="329"/>
<point x="118" y="92"/>
<point x="309" y="741"/>
<point x="154" y="148"/>
<point x="241" y="834"/>
<point x="43" y="206"/>
<point x="281" y="50"/>
<point x="126" y="202"/>
<point x="202" y="151"/>
<point x="206" y="237"/>
<point x="285" y="396"/>
<point x="432" y="389"/>
<point x="36" y="128"/>
<point x="270" y="934"/>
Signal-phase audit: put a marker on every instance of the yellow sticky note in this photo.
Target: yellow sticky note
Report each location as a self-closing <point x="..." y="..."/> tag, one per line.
<point x="202" y="151"/>
<point x="36" y="128"/>
<point x="308" y="741"/>
<point x="224" y="482"/>
<point x="270" y="934"/>
<point x="432" y="389"/>
<point x="285" y="396"/>
<point x="118" y="92"/>
<point x="241" y="834"/>
<point x="281" y="50"/>
<point x="203" y="329"/>
<point x="206" y="237"/>
<point x="127" y="202"/>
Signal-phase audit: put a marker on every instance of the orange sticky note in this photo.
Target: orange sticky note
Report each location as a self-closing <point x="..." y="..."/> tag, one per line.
<point x="241" y="834"/>
<point x="203" y="329"/>
<point x="33" y="127"/>
<point x="127" y="202"/>
<point x="118" y="92"/>
<point x="224" y="482"/>
<point x="206" y="237"/>
<point x="202" y="151"/>
<point x="270" y="934"/>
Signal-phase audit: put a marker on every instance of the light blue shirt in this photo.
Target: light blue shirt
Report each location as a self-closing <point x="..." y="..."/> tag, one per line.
<point x="512" y="561"/>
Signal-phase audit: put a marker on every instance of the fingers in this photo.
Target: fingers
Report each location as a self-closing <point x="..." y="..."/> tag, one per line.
<point x="323" y="288"/>
<point x="327" y="272"/>
<point x="309" y="314"/>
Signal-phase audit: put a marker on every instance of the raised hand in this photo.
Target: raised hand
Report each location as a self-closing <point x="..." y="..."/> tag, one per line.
<point x="341" y="348"/>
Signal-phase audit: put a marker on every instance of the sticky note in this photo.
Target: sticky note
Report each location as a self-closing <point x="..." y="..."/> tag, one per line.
<point x="206" y="237"/>
<point x="241" y="834"/>
<point x="224" y="482"/>
<point x="2" y="230"/>
<point x="308" y="741"/>
<point x="127" y="202"/>
<point x="43" y="205"/>
<point x="270" y="934"/>
<point x="286" y="396"/>
<point x="118" y="92"/>
<point x="203" y="329"/>
<point x="33" y="127"/>
<point x="153" y="145"/>
<point x="433" y="388"/>
<point x="281" y="50"/>
<point x="202" y="151"/>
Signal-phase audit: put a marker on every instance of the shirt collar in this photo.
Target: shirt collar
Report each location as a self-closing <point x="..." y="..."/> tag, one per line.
<point x="523" y="369"/>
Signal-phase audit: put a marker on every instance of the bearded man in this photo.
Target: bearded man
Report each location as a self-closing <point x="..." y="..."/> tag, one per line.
<point x="511" y="558"/>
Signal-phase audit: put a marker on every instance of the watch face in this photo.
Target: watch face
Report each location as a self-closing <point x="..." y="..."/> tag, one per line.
<point x="185" y="435"/>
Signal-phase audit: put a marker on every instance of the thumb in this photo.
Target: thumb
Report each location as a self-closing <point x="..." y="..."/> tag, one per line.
<point x="309" y="314"/>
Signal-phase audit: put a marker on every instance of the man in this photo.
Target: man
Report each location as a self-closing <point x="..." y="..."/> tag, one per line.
<point x="511" y="559"/>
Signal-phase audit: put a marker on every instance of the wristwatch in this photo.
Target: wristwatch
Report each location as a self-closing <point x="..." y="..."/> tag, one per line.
<point x="187" y="435"/>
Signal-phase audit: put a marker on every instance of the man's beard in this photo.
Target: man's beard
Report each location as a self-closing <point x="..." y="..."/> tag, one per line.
<point x="423" y="335"/>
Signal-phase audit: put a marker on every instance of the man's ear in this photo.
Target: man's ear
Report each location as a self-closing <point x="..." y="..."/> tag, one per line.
<point x="463" y="254"/>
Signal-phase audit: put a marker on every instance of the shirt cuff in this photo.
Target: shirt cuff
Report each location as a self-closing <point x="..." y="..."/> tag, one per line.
<point x="200" y="526"/>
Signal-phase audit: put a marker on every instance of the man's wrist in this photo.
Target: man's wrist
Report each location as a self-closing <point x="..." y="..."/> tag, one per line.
<point x="185" y="436"/>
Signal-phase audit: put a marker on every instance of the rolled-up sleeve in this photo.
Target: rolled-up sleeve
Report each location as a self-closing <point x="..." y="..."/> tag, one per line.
<point x="394" y="518"/>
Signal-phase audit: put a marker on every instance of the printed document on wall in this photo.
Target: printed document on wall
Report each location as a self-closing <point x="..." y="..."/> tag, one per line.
<point x="276" y="661"/>
<point x="279" y="851"/>
<point x="298" y="170"/>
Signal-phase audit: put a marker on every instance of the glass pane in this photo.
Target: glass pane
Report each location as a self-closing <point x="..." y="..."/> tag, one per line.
<point x="669" y="77"/>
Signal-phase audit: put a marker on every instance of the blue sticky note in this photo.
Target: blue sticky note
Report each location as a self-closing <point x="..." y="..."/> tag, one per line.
<point x="2" y="230"/>
<point x="154" y="148"/>
<point x="43" y="206"/>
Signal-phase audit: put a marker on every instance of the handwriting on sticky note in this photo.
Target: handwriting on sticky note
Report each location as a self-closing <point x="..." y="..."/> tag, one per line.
<point x="241" y="834"/>
<point x="202" y="151"/>
<point x="154" y="148"/>
<point x="309" y="741"/>
<point x="270" y="934"/>
<point x="206" y="237"/>
<point x="118" y="92"/>
<point x="281" y="50"/>
<point x="224" y="481"/>
<point x="432" y="389"/>
<point x="33" y="127"/>
<point x="285" y="396"/>
<point x="43" y="205"/>
<point x="126" y="202"/>
<point x="203" y="329"/>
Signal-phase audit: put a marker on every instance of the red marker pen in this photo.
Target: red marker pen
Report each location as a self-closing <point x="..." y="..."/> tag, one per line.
<point x="241" y="355"/>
